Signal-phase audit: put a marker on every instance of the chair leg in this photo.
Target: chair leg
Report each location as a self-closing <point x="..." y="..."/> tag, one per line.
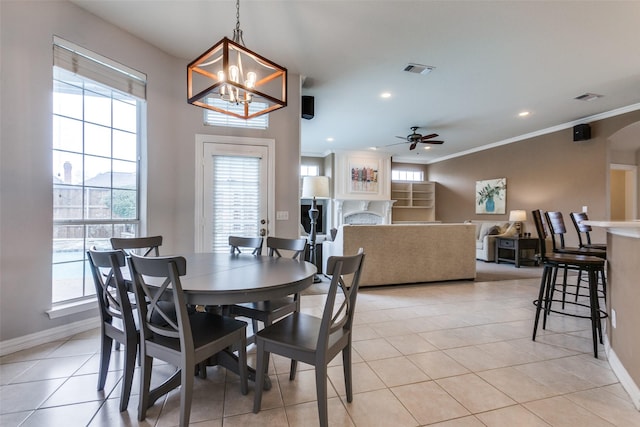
<point x="595" y="312"/>
<point x="540" y="301"/>
<point x="186" y="394"/>
<point x="346" y="367"/>
<point x="130" y="353"/>
<point x="321" y="392"/>
<point x="105" y="357"/>
<point x="548" y="297"/>
<point x="564" y="286"/>
<point x="145" y="385"/>
<point x="578" y="283"/>
<point x="260" y="373"/>
<point x="242" y="361"/>
<point x="293" y="369"/>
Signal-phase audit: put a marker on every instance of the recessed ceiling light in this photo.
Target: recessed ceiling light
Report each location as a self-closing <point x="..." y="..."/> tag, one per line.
<point x="524" y="113"/>
<point x="330" y="139"/>
<point x="427" y="147"/>
<point x="373" y="148"/>
<point x="385" y="95"/>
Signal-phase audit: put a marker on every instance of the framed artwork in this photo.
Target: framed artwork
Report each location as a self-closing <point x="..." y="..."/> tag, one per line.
<point x="364" y="177"/>
<point x="491" y="196"/>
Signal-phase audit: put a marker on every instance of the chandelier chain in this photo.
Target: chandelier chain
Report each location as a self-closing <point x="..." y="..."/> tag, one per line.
<point x="237" y="32"/>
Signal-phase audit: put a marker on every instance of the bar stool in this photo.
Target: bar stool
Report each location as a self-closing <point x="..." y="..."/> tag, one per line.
<point x="552" y="261"/>
<point x="558" y="229"/>
<point x="584" y="230"/>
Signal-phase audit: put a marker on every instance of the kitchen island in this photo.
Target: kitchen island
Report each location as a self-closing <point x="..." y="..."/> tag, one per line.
<point x="623" y="302"/>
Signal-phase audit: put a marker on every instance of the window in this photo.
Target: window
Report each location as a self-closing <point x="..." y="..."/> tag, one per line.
<point x="406" y="175"/>
<point x="213" y="118"/>
<point x="309" y="170"/>
<point x="96" y="137"/>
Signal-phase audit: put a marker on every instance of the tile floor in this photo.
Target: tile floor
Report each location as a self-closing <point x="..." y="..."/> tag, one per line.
<point x="458" y="354"/>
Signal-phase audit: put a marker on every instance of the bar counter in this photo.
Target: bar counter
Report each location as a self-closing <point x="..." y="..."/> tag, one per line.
<point x="623" y="302"/>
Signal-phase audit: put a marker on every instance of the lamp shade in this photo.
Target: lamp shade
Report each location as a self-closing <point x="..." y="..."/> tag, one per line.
<point x="315" y="186"/>
<point x="518" y="215"/>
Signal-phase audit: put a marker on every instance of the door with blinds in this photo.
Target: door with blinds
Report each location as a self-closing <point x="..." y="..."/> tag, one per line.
<point x="234" y="193"/>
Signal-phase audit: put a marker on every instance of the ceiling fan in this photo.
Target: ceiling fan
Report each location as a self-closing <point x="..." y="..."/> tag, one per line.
<point x="414" y="138"/>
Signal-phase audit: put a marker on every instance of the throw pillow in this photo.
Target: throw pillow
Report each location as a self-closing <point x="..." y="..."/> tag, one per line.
<point x="511" y="231"/>
<point x="495" y="230"/>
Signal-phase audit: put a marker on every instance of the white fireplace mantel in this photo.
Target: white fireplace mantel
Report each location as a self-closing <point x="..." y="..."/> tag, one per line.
<point x="362" y="211"/>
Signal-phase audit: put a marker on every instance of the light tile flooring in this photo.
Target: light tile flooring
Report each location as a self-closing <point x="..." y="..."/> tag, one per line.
<point x="458" y="354"/>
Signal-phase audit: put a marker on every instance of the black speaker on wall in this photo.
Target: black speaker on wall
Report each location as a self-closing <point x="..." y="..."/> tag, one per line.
<point x="307" y="107"/>
<point x="581" y="132"/>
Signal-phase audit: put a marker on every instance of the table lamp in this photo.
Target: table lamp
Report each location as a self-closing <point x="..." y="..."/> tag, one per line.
<point x="314" y="187"/>
<point x="518" y="216"/>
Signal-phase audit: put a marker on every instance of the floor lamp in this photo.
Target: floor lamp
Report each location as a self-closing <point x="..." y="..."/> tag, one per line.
<point x="314" y="187"/>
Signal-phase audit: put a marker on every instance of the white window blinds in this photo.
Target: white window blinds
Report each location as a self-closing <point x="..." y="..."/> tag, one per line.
<point x="98" y="68"/>
<point x="213" y="118"/>
<point x="236" y="199"/>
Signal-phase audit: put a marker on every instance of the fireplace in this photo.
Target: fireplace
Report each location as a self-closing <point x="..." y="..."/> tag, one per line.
<point x="362" y="211"/>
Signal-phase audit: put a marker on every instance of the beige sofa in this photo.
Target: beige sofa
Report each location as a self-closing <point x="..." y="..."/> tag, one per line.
<point x="486" y="233"/>
<point x="408" y="253"/>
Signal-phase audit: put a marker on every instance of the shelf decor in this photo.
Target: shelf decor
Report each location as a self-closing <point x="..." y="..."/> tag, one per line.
<point x="491" y="196"/>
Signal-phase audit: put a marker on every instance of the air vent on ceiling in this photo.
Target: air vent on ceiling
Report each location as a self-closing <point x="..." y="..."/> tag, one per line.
<point x="588" y="97"/>
<point x="418" y="68"/>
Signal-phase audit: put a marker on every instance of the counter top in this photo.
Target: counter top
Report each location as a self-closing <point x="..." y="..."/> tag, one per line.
<point x="621" y="228"/>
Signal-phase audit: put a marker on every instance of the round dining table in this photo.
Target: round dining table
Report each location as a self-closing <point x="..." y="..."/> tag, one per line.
<point x="223" y="278"/>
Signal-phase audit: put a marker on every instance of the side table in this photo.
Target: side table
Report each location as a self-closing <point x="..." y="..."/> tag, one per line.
<point x="510" y="249"/>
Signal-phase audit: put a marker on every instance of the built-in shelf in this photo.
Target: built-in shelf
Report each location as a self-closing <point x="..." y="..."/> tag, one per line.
<point x="415" y="201"/>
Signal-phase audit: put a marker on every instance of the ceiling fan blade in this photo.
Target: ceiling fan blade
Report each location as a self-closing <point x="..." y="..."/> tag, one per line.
<point x="391" y="145"/>
<point x="401" y="137"/>
<point x="433" y="135"/>
<point x="413" y="145"/>
<point x="432" y="142"/>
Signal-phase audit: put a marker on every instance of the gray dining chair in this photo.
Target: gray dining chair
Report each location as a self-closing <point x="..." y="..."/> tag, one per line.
<point x="117" y="321"/>
<point x="269" y="311"/>
<point x="170" y="332"/>
<point x="314" y="340"/>
<point x="140" y="245"/>
<point x="237" y="243"/>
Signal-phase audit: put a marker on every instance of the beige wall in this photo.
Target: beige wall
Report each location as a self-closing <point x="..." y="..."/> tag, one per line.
<point x="26" y="34"/>
<point x="549" y="172"/>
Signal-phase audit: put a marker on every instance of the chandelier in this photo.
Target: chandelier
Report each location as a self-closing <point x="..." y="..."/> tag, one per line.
<point x="233" y="80"/>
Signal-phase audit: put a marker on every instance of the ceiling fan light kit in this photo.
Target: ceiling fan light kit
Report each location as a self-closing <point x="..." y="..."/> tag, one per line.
<point x="230" y="72"/>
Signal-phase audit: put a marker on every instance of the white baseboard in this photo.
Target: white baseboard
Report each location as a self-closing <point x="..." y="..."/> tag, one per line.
<point x="623" y="376"/>
<point x="49" y="335"/>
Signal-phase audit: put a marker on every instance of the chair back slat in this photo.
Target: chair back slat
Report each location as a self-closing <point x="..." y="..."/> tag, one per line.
<point x="157" y="282"/>
<point x="541" y="230"/>
<point x="110" y="298"/>
<point x="139" y="245"/>
<point x="581" y="228"/>
<point x="237" y="243"/>
<point x="277" y="244"/>
<point x="557" y="229"/>
<point x="340" y="267"/>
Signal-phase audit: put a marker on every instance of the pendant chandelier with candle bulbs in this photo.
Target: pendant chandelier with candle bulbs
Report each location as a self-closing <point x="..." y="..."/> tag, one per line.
<point x="248" y="84"/>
